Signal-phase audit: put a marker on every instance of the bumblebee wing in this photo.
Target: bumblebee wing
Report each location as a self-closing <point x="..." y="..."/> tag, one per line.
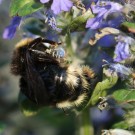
<point x="43" y="57"/>
<point x="36" y="87"/>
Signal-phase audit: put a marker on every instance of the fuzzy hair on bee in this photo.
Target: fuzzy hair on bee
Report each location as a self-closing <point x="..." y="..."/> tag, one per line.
<point x="47" y="78"/>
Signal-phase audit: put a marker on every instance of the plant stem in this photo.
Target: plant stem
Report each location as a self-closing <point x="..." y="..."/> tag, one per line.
<point x="85" y="124"/>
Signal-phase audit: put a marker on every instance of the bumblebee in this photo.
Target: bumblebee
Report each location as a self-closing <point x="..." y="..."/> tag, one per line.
<point x="47" y="78"/>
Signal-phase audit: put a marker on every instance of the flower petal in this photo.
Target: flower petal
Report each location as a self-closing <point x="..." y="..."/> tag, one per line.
<point x="10" y="30"/>
<point x="61" y="5"/>
<point x="44" y="1"/>
<point x="102" y="9"/>
<point x="122" y="51"/>
<point x="1" y="1"/>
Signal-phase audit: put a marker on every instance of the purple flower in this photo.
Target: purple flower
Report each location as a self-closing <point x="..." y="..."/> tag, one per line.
<point x="10" y="30"/>
<point x="0" y="1"/>
<point x="111" y="42"/>
<point x="121" y="70"/>
<point x="113" y="20"/>
<point x="59" y="5"/>
<point x="50" y="19"/>
<point x="102" y="9"/>
<point x="122" y="49"/>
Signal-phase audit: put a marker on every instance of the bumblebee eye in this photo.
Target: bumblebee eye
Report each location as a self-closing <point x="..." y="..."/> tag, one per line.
<point x="59" y="52"/>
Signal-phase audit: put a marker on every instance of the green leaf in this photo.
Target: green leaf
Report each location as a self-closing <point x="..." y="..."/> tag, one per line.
<point x="102" y="88"/>
<point x="24" y="7"/>
<point x="126" y="99"/>
<point x="79" y="22"/>
<point x="121" y="125"/>
<point x="74" y="24"/>
<point x="16" y="5"/>
<point x="68" y="43"/>
<point x="124" y="95"/>
<point x="129" y="25"/>
<point x="27" y="107"/>
<point x="33" y="26"/>
<point x="64" y="19"/>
